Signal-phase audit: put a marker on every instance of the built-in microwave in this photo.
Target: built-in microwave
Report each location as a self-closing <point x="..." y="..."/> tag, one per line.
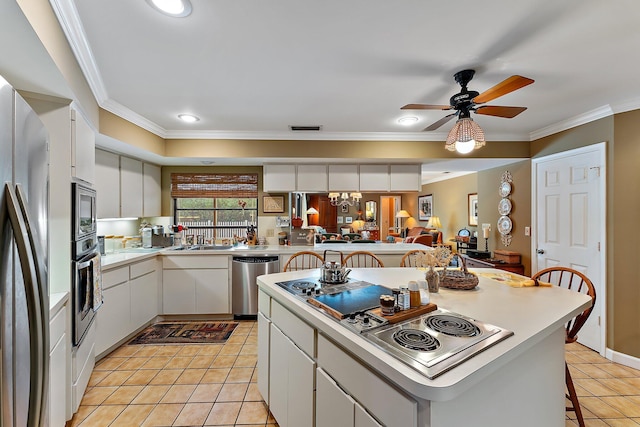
<point x="84" y="211"/>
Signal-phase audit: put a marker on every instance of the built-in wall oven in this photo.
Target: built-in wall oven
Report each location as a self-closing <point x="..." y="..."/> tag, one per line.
<point x="85" y="260"/>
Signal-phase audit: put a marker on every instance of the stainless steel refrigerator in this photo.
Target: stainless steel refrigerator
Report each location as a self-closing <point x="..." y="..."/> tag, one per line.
<point x="24" y="296"/>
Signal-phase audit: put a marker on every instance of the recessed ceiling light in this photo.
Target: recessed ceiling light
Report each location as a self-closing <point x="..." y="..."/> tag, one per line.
<point x="406" y="121"/>
<point x="189" y="118"/>
<point x="175" y="8"/>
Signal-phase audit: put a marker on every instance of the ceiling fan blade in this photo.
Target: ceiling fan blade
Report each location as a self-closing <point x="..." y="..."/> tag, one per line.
<point x="425" y="107"/>
<point x="440" y="122"/>
<point x="507" y="112"/>
<point x="504" y="87"/>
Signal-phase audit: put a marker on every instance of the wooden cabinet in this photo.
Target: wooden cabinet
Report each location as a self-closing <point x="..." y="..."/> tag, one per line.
<point x="58" y="368"/>
<point x="344" y="178"/>
<point x="196" y="284"/>
<point x="291" y="387"/>
<point x="374" y="178"/>
<point x="151" y="190"/>
<point x="279" y="178"/>
<point x="488" y="263"/>
<point x="107" y="177"/>
<point x="130" y="187"/>
<point x="83" y="148"/>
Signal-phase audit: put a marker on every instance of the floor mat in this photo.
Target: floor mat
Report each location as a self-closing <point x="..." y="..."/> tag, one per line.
<point x="185" y="333"/>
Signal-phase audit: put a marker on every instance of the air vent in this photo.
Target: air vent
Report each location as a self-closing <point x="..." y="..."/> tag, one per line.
<point x="305" y="128"/>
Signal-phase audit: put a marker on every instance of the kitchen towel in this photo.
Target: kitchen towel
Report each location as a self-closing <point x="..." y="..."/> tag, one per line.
<point x="514" y="280"/>
<point x="97" y="283"/>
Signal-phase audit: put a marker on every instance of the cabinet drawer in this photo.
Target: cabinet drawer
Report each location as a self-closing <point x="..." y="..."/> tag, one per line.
<point x="295" y="329"/>
<point x="114" y="277"/>
<point x="57" y="328"/>
<point x="264" y="303"/>
<point x="141" y="268"/>
<point x="195" y="261"/>
<point x="384" y="401"/>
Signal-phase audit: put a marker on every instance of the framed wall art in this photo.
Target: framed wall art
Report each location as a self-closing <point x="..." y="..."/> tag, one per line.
<point x="425" y="207"/>
<point x="273" y="204"/>
<point x="473" y="208"/>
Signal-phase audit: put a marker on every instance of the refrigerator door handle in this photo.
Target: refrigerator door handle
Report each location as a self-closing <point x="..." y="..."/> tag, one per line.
<point x="34" y="289"/>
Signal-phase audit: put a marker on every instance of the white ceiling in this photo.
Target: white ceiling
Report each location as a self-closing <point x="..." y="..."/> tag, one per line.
<point x="251" y="68"/>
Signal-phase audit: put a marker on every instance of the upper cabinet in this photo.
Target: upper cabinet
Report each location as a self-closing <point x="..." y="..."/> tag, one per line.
<point x="405" y="177"/>
<point x="279" y="178"/>
<point x="83" y="145"/>
<point x="151" y="186"/>
<point x="107" y="184"/>
<point x="313" y="178"/>
<point x="126" y="187"/>
<point x="374" y="177"/>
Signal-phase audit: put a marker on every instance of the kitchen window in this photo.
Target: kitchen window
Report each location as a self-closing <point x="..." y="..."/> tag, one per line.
<point x="215" y="206"/>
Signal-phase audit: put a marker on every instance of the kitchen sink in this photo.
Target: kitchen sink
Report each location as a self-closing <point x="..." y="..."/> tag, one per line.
<point x="210" y="248"/>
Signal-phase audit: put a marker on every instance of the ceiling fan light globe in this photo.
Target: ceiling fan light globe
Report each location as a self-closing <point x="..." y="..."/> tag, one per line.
<point x="465" y="147"/>
<point x="465" y="136"/>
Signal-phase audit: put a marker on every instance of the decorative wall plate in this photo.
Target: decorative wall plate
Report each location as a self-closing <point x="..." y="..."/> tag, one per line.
<point x="505" y="189"/>
<point x="504" y="207"/>
<point x="504" y="225"/>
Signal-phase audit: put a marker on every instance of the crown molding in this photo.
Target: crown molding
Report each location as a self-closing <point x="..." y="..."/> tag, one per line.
<point x="623" y="107"/>
<point x="580" y="119"/>
<point x="69" y="19"/>
<point x="133" y="117"/>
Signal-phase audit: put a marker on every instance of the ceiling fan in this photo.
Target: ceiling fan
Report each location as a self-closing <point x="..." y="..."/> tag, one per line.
<point x="469" y="100"/>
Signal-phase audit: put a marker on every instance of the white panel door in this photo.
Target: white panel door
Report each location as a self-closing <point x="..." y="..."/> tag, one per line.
<point x="570" y="226"/>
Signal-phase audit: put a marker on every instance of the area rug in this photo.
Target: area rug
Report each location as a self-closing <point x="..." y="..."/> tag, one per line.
<point x="185" y="333"/>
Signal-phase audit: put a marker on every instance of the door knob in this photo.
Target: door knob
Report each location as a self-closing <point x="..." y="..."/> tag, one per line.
<point x="540" y="251"/>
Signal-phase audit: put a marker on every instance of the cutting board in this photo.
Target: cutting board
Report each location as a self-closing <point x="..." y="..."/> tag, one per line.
<point x="340" y="305"/>
<point x="406" y="314"/>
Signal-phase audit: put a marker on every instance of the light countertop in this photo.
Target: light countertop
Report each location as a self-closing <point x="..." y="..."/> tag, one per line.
<point x="532" y="313"/>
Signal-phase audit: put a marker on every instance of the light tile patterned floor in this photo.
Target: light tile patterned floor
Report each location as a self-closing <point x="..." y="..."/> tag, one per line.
<point x="609" y="393"/>
<point x="177" y="385"/>
<point x="215" y="385"/>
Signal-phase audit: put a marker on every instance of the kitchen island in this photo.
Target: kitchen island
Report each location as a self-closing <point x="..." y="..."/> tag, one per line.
<point x="517" y="382"/>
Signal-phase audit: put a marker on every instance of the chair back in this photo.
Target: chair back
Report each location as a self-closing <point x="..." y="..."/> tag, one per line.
<point x="362" y="259"/>
<point x="572" y="280"/>
<point x="410" y="258"/>
<point x="304" y="260"/>
<point x="363" y="241"/>
<point x="424" y="239"/>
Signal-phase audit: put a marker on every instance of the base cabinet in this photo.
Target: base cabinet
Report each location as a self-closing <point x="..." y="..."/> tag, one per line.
<point x="144" y="299"/>
<point x="264" y="335"/>
<point x="113" y="317"/>
<point x="334" y="407"/>
<point x="58" y="369"/>
<point x="291" y="386"/>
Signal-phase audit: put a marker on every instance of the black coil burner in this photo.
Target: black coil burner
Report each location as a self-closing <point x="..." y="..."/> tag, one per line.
<point x="452" y="325"/>
<point x="416" y="339"/>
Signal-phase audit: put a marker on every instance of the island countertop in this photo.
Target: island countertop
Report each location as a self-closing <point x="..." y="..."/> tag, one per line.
<point x="532" y="313"/>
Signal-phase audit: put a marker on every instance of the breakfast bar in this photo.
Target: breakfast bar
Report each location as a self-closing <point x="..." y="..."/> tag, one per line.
<point x="314" y="369"/>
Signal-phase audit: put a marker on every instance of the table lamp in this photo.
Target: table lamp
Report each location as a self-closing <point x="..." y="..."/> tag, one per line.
<point x="434" y="222"/>
<point x="311" y="211"/>
<point x="402" y="215"/>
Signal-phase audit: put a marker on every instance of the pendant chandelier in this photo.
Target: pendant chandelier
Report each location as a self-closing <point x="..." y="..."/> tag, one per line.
<point x="348" y="199"/>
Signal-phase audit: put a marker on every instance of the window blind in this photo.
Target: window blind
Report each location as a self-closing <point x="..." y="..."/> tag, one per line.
<point x="228" y="185"/>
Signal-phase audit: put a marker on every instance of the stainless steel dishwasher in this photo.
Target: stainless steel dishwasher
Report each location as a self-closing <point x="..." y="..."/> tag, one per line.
<point x="244" y="287"/>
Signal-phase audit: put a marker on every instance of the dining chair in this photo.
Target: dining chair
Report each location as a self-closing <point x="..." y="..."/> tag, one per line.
<point x="410" y="259"/>
<point x="363" y="241"/>
<point x="572" y="280"/>
<point x="304" y="260"/>
<point x="364" y="259"/>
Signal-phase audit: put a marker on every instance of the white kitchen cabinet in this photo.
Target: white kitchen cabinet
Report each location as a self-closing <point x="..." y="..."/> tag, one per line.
<point x="130" y="188"/>
<point x="196" y="284"/>
<point x="291" y="387"/>
<point x="58" y="368"/>
<point x="344" y="178"/>
<point x="144" y="292"/>
<point x="333" y="406"/>
<point x="151" y="190"/>
<point x="281" y="178"/>
<point x="363" y="418"/>
<point x="405" y="177"/>
<point x="264" y="334"/>
<point x="107" y="184"/>
<point x="312" y="178"/>
<point x="113" y="319"/>
<point x="374" y="177"/>
<point x="83" y="148"/>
